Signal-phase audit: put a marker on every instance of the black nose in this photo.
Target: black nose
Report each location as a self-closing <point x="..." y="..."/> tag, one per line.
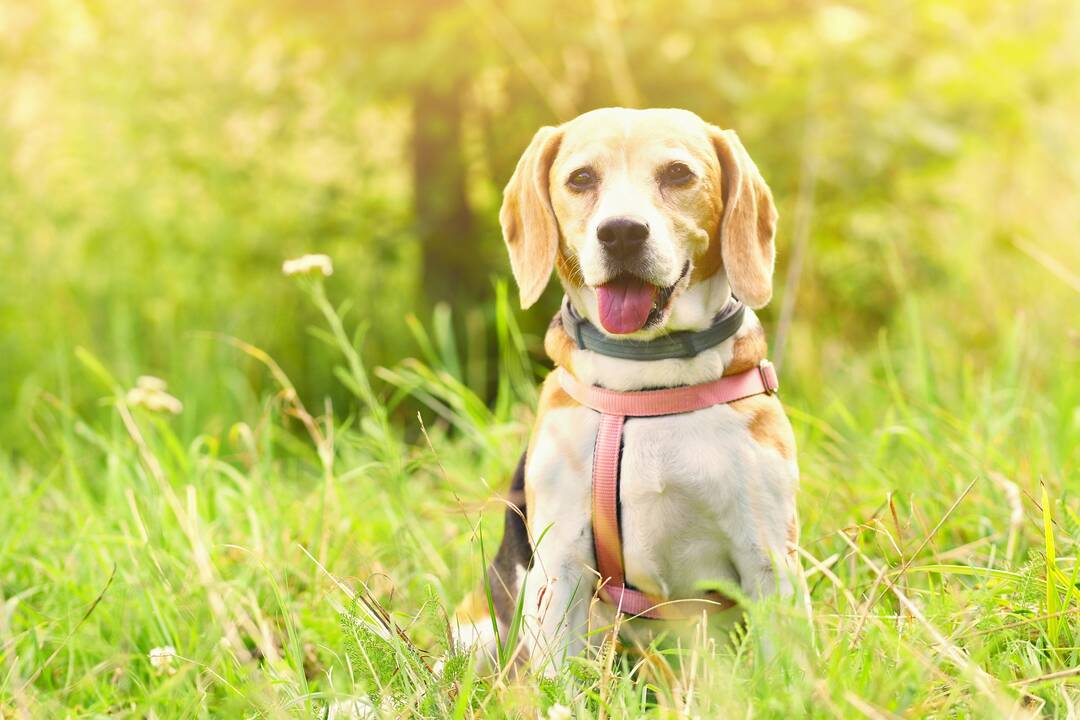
<point x="622" y="236"/>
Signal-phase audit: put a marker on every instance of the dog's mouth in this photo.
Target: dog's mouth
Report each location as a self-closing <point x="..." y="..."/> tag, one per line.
<point x="628" y="303"/>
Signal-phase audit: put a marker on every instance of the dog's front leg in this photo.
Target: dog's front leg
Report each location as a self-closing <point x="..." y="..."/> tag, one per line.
<point x="558" y="592"/>
<point x="765" y="569"/>
<point x="761" y="555"/>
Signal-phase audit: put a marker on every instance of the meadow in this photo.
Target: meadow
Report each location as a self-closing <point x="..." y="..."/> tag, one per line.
<point x="231" y="493"/>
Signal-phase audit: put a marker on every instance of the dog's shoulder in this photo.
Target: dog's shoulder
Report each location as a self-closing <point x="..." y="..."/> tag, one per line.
<point x="558" y="344"/>
<point x="768" y="423"/>
<point x="552" y="398"/>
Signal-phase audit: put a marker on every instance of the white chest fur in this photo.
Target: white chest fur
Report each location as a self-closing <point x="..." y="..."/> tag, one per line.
<point x="701" y="500"/>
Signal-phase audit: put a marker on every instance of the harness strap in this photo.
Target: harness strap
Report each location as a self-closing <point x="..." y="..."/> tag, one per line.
<point x="760" y="380"/>
<point x="614" y="408"/>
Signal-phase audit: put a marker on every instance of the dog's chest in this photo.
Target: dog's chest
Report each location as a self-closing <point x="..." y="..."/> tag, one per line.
<point x="693" y="487"/>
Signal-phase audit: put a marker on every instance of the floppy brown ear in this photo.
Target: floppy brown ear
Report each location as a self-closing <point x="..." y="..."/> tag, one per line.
<point x="748" y="225"/>
<point x="528" y="221"/>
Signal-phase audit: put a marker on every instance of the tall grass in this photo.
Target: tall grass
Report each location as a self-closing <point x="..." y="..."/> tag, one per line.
<point x="301" y="559"/>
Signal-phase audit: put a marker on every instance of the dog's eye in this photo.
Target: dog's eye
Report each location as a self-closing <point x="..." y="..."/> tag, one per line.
<point x="581" y="179"/>
<point x="677" y="174"/>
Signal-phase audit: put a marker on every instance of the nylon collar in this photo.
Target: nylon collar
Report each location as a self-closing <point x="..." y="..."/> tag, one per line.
<point x="680" y="344"/>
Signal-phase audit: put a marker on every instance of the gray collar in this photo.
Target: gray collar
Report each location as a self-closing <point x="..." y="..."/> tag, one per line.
<point x="681" y="344"/>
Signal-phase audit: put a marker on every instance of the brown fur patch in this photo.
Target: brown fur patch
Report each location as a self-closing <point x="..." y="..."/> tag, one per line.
<point x="552" y="397"/>
<point x="568" y="268"/>
<point x="768" y="424"/>
<point x="473" y="609"/>
<point x="709" y="262"/>
<point x="558" y="344"/>
<point x="748" y="225"/>
<point x="530" y="229"/>
<point x="557" y="398"/>
<point x="748" y="352"/>
<point x="792" y="536"/>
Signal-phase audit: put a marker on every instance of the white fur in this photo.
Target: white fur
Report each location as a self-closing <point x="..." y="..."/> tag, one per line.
<point x="560" y="585"/>
<point x="661" y="260"/>
<point x="702" y="501"/>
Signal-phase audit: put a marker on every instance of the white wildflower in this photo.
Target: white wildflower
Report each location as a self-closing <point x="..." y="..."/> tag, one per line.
<point x="307" y="264"/>
<point x="150" y="383"/>
<point x="358" y="709"/>
<point x="559" y="712"/>
<point x="162" y="660"/>
<point x="150" y="393"/>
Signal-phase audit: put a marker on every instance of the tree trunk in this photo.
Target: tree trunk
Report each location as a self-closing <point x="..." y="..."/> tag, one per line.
<point x="453" y="267"/>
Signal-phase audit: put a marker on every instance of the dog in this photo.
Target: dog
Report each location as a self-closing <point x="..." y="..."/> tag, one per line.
<point x="661" y="229"/>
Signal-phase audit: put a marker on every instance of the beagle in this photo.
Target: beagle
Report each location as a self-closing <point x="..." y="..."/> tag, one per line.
<point x="661" y="230"/>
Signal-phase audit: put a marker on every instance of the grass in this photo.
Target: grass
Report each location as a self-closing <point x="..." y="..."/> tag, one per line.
<point x="301" y="559"/>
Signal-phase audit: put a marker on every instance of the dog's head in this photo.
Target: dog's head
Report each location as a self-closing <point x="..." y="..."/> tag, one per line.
<point x="652" y="218"/>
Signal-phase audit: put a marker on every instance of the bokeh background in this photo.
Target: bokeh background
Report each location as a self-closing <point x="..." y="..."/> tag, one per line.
<point x="160" y="159"/>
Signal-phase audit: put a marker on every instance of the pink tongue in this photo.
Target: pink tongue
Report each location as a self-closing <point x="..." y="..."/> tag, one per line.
<point x="625" y="304"/>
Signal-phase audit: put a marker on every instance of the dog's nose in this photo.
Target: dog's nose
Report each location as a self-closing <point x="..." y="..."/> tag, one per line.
<point x="622" y="236"/>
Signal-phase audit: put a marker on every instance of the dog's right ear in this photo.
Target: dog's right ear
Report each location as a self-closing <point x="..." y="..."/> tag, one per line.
<point x="528" y="221"/>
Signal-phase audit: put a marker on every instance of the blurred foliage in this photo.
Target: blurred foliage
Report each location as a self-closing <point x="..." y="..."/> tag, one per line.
<point x="159" y="160"/>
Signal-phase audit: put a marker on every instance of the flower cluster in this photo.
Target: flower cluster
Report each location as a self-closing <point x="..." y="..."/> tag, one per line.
<point x="150" y="393"/>
<point x="308" y="264"/>
<point x="162" y="659"/>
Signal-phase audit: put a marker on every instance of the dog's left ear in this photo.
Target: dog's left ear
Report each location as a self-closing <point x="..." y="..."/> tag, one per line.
<point x="529" y="225"/>
<point x="748" y="225"/>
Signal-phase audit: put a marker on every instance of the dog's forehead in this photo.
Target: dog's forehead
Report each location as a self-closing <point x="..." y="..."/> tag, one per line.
<point x="635" y="132"/>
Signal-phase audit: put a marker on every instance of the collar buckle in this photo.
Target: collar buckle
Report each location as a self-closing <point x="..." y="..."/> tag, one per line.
<point x="769" y="380"/>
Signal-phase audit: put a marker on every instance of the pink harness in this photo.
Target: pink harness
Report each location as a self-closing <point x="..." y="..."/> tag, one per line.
<point x="614" y="407"/>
